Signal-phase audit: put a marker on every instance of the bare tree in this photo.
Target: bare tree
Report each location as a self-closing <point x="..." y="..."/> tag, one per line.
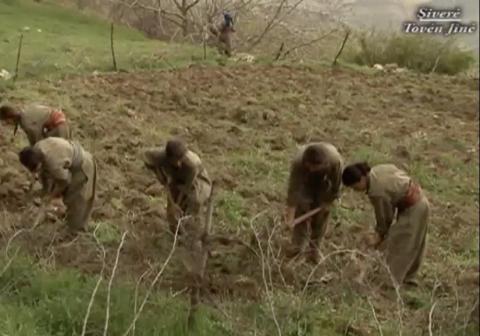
<point x="177" y="12"/>
<point x="183" y="8"/>
<point x="262" y="25"/>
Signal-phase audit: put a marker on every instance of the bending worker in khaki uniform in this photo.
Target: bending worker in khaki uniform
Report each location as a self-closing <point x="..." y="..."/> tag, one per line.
<point x="315" y="180"/>
<point x="390" y="189"/>
<point x="188" y="190"/>
<point x="37" y="121"/>
<point x="70" y="173"/>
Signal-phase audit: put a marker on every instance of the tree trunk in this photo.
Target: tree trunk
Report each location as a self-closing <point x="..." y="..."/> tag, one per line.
<point x="184" y="25"/>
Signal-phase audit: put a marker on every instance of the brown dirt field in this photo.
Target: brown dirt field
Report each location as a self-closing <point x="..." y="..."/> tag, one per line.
<point x="245" y="122"/>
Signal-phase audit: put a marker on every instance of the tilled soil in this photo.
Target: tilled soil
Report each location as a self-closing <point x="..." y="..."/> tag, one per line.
<point x="245" y="122"/>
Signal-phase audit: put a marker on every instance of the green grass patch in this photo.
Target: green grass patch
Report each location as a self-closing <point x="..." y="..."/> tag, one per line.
<point x="348" y="217"/>
<point x="35" y="302"/>
<point x="62" y="40"/>
<point x="372" y="154"/>
<point x="106" y="232"/>
<point x="231" y="209"/>
<point x="419" y="53"/>
<point x="258" y="163"/>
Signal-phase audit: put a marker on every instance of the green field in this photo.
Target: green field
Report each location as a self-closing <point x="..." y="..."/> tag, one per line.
<point x="60" y="40"/>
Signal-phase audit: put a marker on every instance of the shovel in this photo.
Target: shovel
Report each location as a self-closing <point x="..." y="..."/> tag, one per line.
<point x="306" y="216"/>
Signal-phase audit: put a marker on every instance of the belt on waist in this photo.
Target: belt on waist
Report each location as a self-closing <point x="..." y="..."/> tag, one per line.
<point x="77" y="158"/>
<point x="57" y="117"/>
<point x="411" y="197"/>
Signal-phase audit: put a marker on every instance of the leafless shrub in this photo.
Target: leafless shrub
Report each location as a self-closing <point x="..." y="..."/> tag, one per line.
<point x="97" y="285"/>
<point x="138" y="312"/>
<point x="261" y="25"/>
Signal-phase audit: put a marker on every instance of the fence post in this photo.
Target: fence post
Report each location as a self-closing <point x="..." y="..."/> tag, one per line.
<point x="19" y="52"/>
<point x="114" y="60"/>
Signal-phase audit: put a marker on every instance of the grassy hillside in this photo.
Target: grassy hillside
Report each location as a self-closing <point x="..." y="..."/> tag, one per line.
<point x="61" y="40"/>
<point x="245" y="122"/>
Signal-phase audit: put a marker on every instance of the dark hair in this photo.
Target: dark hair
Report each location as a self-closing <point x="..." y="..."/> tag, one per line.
<point x="30" y="158"/>
<point x="354" y="172"/>
<point x="228" y="19"/>
<point x="175" y="149"/>
<point x="7" y="111"/>
<point x="314" y="155"/>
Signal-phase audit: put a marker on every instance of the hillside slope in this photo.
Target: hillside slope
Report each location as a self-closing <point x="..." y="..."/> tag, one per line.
<point x="245" y="122"/>
<point x="62" y="40"/>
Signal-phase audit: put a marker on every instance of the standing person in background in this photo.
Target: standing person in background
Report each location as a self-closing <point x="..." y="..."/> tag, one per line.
<point x="390" y="189"/>
<point x="224" y="32"/>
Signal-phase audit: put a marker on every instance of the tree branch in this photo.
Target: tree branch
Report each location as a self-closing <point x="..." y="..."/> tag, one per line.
<point x="306" y="44"/>
<point x="274" y="21"/>
<point x="341" y="48"/>
<point x="193" y="4"/>
<point x="155" y="280"/>
<point x="107" y="312"/>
